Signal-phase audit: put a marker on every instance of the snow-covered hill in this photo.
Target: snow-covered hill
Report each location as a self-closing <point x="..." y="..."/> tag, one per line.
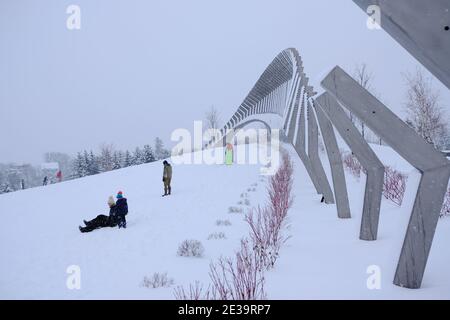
<point x="39" y="236"/>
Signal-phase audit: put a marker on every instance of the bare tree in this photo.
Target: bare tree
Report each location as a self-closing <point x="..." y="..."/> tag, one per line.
<point x="364" y="78"/>
<point x="424" y="112"/>
<point x="212" y="118"/>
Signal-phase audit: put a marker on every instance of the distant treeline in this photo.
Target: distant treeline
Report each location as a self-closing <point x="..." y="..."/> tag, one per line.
<point x="15" y="177"/>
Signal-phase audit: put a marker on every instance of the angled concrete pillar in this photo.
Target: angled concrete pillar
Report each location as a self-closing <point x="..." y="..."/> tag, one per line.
<point x="291" y="103"/>
<point x="424" y="157"/>
<point x="335" y="159"/>
<point x="300" y="147"/>
<point x="367" y="158"/>
<point x="294" y="116"/>
<point x="313" y="153"/>
<point x="421" y="27"/>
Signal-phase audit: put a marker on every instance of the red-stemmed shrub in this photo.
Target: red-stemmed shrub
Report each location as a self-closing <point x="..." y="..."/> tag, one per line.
<point x="394" y="185"/>
<point x="241" y="278"/>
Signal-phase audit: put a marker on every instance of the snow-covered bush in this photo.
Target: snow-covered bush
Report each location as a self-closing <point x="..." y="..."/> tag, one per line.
<point x="217" y="236"/>
<point x="235" y="210"/>
<point x="191" y="248"/>
<point x="394" y="185"/>
<point x="224" y="223"/>
<point x="158" y="280"/>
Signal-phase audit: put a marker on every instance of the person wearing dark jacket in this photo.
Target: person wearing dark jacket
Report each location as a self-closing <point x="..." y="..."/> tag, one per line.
<point x="102" y="221"/>
<point x="121" y="210"/>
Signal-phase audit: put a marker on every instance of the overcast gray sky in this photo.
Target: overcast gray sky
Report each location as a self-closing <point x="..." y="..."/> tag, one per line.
<point x="140" y="69"/>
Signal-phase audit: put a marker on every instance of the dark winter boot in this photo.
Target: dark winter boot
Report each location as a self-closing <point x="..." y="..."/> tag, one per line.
<point x="86" y="223"/>
<point x="323" y="200"/>
<point x="122" y="223"/>
<point x="170" y="190"/>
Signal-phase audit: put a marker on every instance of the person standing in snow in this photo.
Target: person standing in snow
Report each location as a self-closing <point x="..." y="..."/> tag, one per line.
<point x="167" y="178"/>
<point x="59" y="176"/>
<point x="229" y="154"/>
<point x="45" y="182"/>
<point x="102" y="221"/>
<point x="121" y="210"/>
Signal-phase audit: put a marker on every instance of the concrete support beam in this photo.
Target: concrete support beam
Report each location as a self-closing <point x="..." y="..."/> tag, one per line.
<point x="313" y="153"/>
<point x="335" y="159"/>
<point x="424" y="157"/>
<point x="300" y="147"/>
<point x="367" y="158"/>
<point x="421" y="27"/>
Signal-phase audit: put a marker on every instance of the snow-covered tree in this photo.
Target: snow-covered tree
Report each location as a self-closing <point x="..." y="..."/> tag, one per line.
<point x="424" y="112"/>
<point x="138" y="157"/>
<point x="160" y="152"/>
<point x="148" y="154"/>
<point x="128" y="159"/>
<point x="117" y="160"/>
<point x="106" y="157"/>
<point x="93" y="167"/>
<point x="79" y="166"/>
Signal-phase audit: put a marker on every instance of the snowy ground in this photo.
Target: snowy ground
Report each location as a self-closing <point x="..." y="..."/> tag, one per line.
<point x="324" y="258"/>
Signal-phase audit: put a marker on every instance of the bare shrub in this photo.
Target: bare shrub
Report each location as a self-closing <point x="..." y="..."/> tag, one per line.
<point x="239" y="279"/>
<point x="351" y="164"/>
<point x="191" y="248"/>
<point x="280" y="187"/>
<point x="244" y="195"/>
<point x="235" y="210"/>
<point x="194" y="292"/>
<point x="217" y="236"/>
<point x="158" y="280"/>
<point x="394" y="185"/>
<point x="266" y="239"/>
<point x="224" y="223"/>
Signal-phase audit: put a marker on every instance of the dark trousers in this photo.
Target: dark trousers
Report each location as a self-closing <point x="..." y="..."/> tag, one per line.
<point x="101" y="221"/>
<point x="121" y="221"/>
